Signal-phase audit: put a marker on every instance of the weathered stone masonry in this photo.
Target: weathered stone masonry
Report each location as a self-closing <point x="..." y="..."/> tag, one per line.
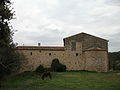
<point x="80" y="52"/>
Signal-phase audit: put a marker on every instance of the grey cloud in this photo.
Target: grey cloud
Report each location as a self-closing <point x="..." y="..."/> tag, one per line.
<point x="114" y="42"/>
<point x="71" y="12"/>
<point x="111" y="23"/>
<point x="51" y="37"/>
<point x="113" y="2"/>
<point x="49" y="21"/>
<point x="107" y="19"/>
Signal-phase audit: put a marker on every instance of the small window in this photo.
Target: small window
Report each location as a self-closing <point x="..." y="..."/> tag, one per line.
<point x="73" y="46"/>
<point x="30" y="53"/>
<point x="49" y="54"/>
<point x="76" y="54"/>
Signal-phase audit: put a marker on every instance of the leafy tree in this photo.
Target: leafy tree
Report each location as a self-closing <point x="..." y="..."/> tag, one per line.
<point x="40" y="69"/>
<point x="57" y="66"/>
<point x="9" y="58"/>
<point x="114" y="58"/>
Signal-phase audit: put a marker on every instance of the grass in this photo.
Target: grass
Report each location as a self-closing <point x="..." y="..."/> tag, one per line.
<point x="65" y="81"/>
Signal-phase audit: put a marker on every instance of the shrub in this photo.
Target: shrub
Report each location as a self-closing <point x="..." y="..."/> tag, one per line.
<point x="47" y="69"/>
<point x="57" y="66"/>
<point x="40" y="69"/>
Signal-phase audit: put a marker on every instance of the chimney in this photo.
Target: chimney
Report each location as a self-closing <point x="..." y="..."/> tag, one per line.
<point x="38" y="44"/>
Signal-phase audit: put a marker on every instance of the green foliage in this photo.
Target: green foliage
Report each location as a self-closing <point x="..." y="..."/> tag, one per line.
<point x="6" y="31"/>
<point x="9" y="57"/>
<point x="40" y="69"/>
<point x="57" y="66"/>
<point x="114" y="58"/>
<point x="6" y="10"/>
<point x="47" y="69"/>
<point x="116" y="65"/>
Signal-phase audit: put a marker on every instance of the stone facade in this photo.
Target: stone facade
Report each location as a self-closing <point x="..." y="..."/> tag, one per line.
<point x="80" y="52"/>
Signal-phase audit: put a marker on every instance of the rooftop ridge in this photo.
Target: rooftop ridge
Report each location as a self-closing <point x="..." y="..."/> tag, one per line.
<point x="57" y="48"/>
<point x="86" y="34"/>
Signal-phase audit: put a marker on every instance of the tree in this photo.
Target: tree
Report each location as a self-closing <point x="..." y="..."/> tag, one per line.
<point x="114" y="58"/>
<point x="57" y="66"/>
<point x="40" y="69"/>
<point x="9" y="58"/>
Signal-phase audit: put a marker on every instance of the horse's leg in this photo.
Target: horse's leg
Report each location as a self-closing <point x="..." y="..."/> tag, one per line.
<point x="50" y="76"/>
<point x="42" y="77"/>
<point x="46" y="76"/>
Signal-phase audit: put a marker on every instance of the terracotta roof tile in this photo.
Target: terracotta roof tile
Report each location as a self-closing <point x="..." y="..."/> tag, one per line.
<point x="96" y="49"/>
<point x="53" y="48"/>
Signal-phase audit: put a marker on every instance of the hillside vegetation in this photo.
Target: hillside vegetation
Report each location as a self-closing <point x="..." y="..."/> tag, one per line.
<point x="114" y="58"/>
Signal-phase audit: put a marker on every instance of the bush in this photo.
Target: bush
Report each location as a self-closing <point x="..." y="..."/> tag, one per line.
<point x="114" y="60"/>
<point x="47" y="69"/>
<point x="57" y="66"/>
<point x="116" y="65"/>
<point x="40" y="69"/>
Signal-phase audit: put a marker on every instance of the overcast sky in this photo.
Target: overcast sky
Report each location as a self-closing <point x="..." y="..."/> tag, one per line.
<point x="49" y="21"/>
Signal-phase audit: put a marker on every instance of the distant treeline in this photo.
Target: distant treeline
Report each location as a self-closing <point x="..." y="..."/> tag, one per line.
<point x="114" y="58"/>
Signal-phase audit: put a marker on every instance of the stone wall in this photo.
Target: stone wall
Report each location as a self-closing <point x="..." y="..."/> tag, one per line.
<point x="92" y="41"/>
<point x="87" y="41"/>
<point x="96" y="61"/>
<point x="34" y="58"/>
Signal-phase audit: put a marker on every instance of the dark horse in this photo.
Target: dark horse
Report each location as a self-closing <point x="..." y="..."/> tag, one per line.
<point x="46" y="74"/>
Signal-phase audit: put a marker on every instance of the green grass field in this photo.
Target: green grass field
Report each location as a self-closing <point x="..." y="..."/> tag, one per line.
<point x="65" y="81"/>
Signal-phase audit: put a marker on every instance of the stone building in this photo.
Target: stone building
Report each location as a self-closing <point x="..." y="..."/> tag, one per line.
<point x="80" y="52"/>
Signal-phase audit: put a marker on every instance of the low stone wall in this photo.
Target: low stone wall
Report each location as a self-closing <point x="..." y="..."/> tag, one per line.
<point x="34" y="58"/>
<point x="96" y="61"/>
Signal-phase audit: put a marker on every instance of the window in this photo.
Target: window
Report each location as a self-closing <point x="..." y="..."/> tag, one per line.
<point x="30" y="53"/>
<point x="76" y="54"/>
<point x="49" y="54"/>
<point x="73" y="46"/>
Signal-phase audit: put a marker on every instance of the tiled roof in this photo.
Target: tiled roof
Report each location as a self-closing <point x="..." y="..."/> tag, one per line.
<point x="52" y="48"/>
<point x="82" y="33"/>
<point x="96" y="49"/>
